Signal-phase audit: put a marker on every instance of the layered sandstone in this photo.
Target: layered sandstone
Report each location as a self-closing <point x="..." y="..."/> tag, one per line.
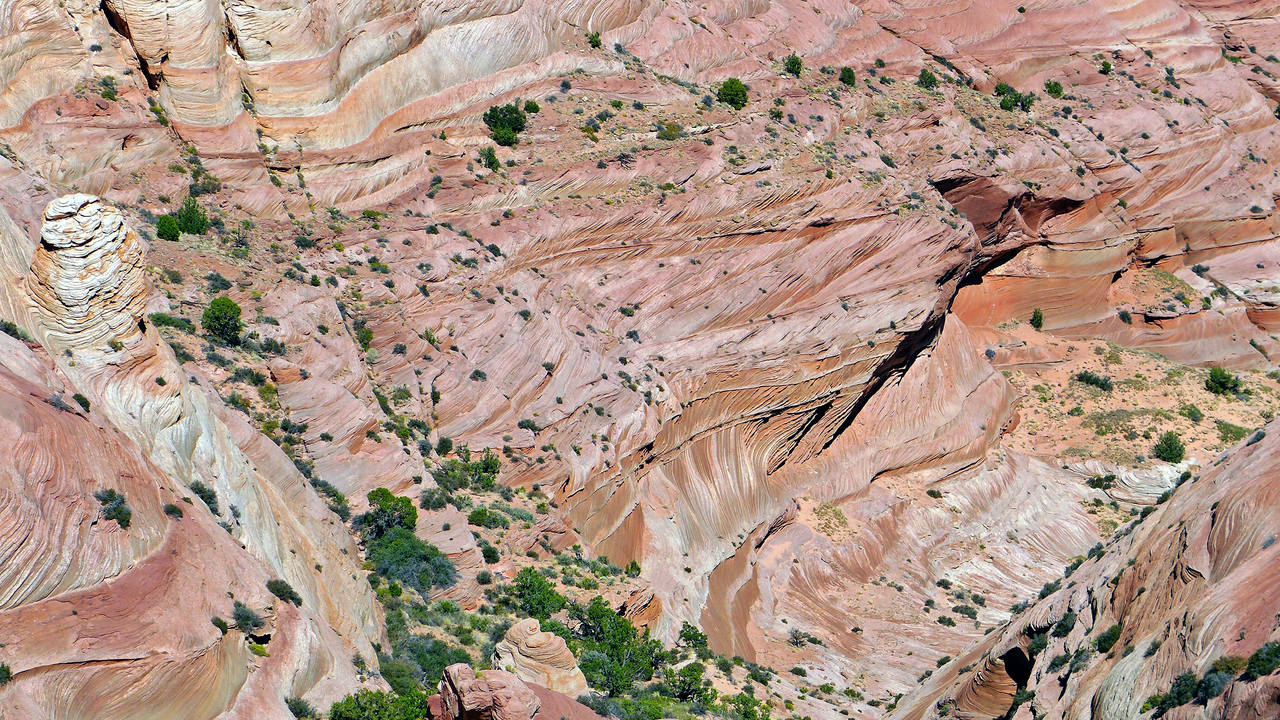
<point x="539" y="657"/>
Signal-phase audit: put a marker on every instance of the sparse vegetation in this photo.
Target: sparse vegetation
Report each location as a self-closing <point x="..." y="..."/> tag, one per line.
<point x="114" y="507"/>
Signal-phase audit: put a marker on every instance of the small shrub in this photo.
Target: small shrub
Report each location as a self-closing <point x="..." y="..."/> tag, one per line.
<point x="114" y="507"/>
<point x="1169" y="448"/>
<point x="1222" y="382"/>
<point x="1108" y="638"/>
<point x="300" y="708"/>
<point x="222" y="320"/>
<point x="848" y="77"/>
<point x="1037" y="319"/>
<point x="1088" y="377"/>
<point x="1263" y="662"/>
<point x="593" y="39"/>
<point x="732" y="92"/>
<point x="173" y="511"/>
<point x="927" y="79"/>
<point x="207" y="495"/>
<point x="6" y="675"/>
<point x="284" y="591"/>
<point x="1053" y="88"/>
<point x="793" y="64"/>
<point x="245" y="619"/>
<point x="167" y="228"/>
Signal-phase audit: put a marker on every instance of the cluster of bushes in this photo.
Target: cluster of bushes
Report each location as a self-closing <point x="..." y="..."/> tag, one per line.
<point x="1011" y="99"/>
<point x="190" y="219"/>
<point x="1187" y="688"/>
<point x="505" y="123"/>
<point x="114" y="507"/>
<point x="1088" y="377"/>
<point x="394" y="550"/>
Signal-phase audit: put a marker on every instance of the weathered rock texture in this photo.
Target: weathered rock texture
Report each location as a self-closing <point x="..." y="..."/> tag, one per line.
<point x="539" y="657"/>
<point x="1190" y="584"/>
<point x="468" y="695"/>
<point x="86" y="293"/>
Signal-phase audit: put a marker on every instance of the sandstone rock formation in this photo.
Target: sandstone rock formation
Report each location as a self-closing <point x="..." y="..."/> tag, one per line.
<point x="539" y="657"/>
<point x="1190" y="584"/>
<point x="86" y="293"/>
<point x="468" y="695"/>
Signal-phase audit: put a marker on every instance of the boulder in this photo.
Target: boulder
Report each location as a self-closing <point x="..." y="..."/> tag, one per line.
<point x="539" y="657"/>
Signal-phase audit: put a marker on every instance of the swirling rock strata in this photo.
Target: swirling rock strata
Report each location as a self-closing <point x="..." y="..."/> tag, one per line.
<point x="539" y="657"/>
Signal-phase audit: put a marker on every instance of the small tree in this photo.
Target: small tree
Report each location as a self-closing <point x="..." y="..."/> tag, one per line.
<point x="222" y="320"/>
<point x="489" y="158"/>
<point x="535" y="595"/>
<point x="1053" y="88"/>
<point x="793" y="64"/>
<point x="732" y="92"/>
<point x="927" y="80"/>
<point x="1221" y="382"/>
<point x="1037" y="319"/>
<point x="191" y="218"/>
<point x="505" y="123"/>
<point x="167" y="228"/>
<point x="847" y="77"/>
<point x="1169" y="448"/>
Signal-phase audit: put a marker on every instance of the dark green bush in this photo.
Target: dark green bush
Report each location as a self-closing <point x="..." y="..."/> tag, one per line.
<point x="191" y="218"/>
<point x="167" y="228"/>
<point x="1263" y="662"/>
<point x="245" y="619"/>
<point x="793" y="64"/>
<point x="732" y="92"/>
<point x="300" y="708"/>
<point x="402" y="556"/>
<point x="1108" y="638"/>
<point x="386" y="511"/>
<point x="114" y="507"/>
<point x="505" y="123"/>
<point x="207" y="495"/>
<point x="1221" y="382"/>
<point x="1088" y="377"/>
<point x="284" y="591"/>
<point x="380" y="705"/>
<point x="222" y="320"/>
<point x="1169" y="448"/>
<point x="535" y="596"/>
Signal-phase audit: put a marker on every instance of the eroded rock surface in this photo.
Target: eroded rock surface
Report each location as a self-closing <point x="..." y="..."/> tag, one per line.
<point x="539" y="657"/>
